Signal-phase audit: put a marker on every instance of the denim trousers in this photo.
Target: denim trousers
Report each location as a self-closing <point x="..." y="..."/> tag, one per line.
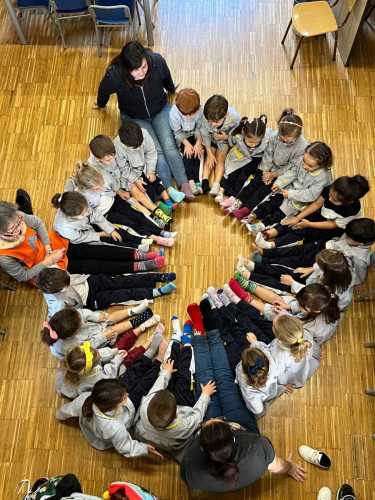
<point x="169" y="164"/>
<point x="211" y="363"/>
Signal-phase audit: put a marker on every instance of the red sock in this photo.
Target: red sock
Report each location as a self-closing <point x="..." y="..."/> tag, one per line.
<point x="160" y="261"/>
<point x="239" y="291"/>
<point x="133" y="355"/>
<point x="126" y="340"/>
<point x="196" y="317"/>
<point x="138" y="255"/>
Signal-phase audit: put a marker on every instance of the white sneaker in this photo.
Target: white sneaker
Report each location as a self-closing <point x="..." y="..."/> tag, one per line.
<point x="214" y="191"/>
<point x="324" y="494"/>
<point x="194" y="189"/>
<point x="262" y="243"/>
<point x="219" y="198"/>
<point x="255" y="228"/>
<point x="315" y="457"/>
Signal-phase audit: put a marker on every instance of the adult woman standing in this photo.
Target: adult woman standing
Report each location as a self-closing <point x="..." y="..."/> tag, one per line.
<point x="141" y="80"/>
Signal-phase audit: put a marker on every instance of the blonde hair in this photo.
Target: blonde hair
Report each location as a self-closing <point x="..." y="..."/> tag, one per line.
<point x="87" y="177"/>
<point x="289" y="332"/>
<point x="255" y="365"/>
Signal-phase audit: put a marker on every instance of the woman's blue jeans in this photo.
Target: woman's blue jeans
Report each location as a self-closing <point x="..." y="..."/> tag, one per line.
<point x="211" y="363"/>
<point x="169" y="164"/>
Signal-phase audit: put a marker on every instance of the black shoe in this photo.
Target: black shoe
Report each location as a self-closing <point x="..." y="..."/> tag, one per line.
<point x="23" y="201"/>
<point x="205" y="186"/>
<point x="345" y="492"/>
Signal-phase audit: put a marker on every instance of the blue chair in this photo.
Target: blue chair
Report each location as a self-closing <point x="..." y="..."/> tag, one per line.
<point x="63" y="10"/>
<point x="30" y="5"/>
<point x="110" y="14"/>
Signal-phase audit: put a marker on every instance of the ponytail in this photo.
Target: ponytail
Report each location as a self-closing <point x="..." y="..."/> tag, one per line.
<point x="289" y="331"/>
<point x="350" y="189"/>
<point x="106" y="394"/>
<point x="255" y="365"/>
<point x="71" y="203"/>
<point x="317" y="299"/>
<point x="256" y="127"/>
<point x="217" y="442"/>
<point x="87" y="177"/>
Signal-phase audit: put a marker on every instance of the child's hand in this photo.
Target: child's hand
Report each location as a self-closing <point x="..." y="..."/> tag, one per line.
<point x="275" y="188"/>
<point x="123" y="354"/>
<point x="304" y="271"/>
<point x="209" y="389"/>
<point x="211" y="160"/>
<point x="168" y="366"/>
<point x="53" y="257"/>
<point x="141" y="185"/>
<point x="279" y="305"/>
<point x="289" y="388"/>
<point x="116" y="236"/>
<point x="151" y="177"/>
<point x="302" y="224"/>
<point x="251" y="337"/>
<point x="153" y="451"/>
<point x="188" y="149"/>
<point x="220" y="136"/>
<point x="290" y="221"/>
<point x="295" y="471"/>
<point x="286" y="279"/>
<point x="285" y="193"/>
<point x="198" y="150"/>
<point x="124" y="195"/>
<point x="268" y="177"/>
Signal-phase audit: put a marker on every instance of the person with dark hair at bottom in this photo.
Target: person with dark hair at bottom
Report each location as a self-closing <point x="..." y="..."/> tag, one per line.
<point x="141" y="80"/>
<point x="226" y="456"/>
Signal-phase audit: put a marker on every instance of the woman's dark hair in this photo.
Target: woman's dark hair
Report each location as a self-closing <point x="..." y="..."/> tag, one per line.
<point x="215" y="108"/>
<point x="289" y="123"/>
<point x="318" y="299"/>
<point x="130" y="58"/>
<point x="106" y="394"/>
<point x="350" y="189"/>
<point x="337" y="275"/>
<point x="52" y="280"/>
<point x="217" y="442"/>
<point x="162" y="409"/>
<point x="8" y="213"/>
<point x="254" y="128"/>
<point x="321" y="153"/>
<point x="65" y="323"/>
<point x="361" y="230"/>
<point x="130" y="134"/>
<point x="70" y="203"/>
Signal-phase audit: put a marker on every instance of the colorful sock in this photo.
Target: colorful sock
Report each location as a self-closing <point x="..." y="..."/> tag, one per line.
<point x="223" y="297"/>
<point x="164" y="290"/>
<point x="142" y="306"/>
<point x="167" y="209"/>
<point x="154" y="320"/>
<point x="168" y="202"/>
<point x="165" y="242"/>
<point x="238" y="290"/>
<point x="198" y="186"/>
<point x="205" y="186"/>
<point x="141" y="318"/>
<point x="176" y="329"/>
<point x="168" y="234"/>
<point x="167" y="277"/>
<point x="161" y="252"/>
<point x="244" y="264"/>
<point x="234" y="299"/>
<point x="143" y="247"/>
<point x="154" y="346"/>
<point x="196" y="317"/>
<point x="138" y="255"/>
<point x="247" y="285"/>
<point x="176" y="195"/>
<point x="149" y="265"/>
<point x="257" y="258"/>
<point x="187" y="333"/>
<point x="213" y="297"/>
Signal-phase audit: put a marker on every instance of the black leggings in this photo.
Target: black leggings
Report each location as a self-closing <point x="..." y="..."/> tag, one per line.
<point x="269" y="210"/>
<point x="121" y="212"/>
<point x="105" y="290"/>
<point x="191" y="164"/>
<point x="94" y="259"/>
<point x="233" y="183"/>
<point x="181" y="382"/>
<point x="139" y="378"/>
<point x="255" y="191"/>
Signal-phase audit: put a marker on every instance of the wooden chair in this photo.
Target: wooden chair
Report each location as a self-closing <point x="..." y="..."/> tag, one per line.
<point x="316" y="18"/>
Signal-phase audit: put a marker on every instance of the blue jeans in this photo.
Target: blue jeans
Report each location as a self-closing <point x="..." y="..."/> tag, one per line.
<point x="169" y="162"/>
<point x="211" y="363"/>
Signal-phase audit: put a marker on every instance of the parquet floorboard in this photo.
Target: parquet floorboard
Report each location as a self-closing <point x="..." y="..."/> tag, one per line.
<point x="46" y="120"/>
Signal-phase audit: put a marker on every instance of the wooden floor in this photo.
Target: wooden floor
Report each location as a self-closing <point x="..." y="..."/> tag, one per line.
<point x="230" y="47"/>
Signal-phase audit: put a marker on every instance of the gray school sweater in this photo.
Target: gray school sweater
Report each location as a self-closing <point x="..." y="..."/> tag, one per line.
<point x="106" y="430"/>
<point x="134" y="162"/>
<point x="184" y="126"/>
<point x="98" y="201"/>
<point x="183" y="426"/>
<point x="240" y="154"/>
<point x="110" y="366"/>
<point x="111" y="173"/>
<point x="303" y="187"/>
<point x="278" y="156"/>
<point x="81" y="230"/>
<point x="74" y="295"/>
<point x="359" y="256"/>
<point x="15" y="267"/>
<point x="292" y="371"/>
<point x="232" y="119"/>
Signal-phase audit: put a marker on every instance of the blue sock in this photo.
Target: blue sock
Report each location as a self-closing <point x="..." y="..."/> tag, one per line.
<point x="187" y="333"/>
<point x="166" y="289"/>
<point x="168" y="202"/>
<point x="161" y="252"/>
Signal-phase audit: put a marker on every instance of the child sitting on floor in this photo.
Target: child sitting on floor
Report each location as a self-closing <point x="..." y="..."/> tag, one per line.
<point x="85" y="365"/>
<point x="137" y="156"/>
<point x="185" y="119"/>
<point x="247" y="144"/>
<point x="98" y="291"/>
<point x="219" y="119"/>
<point x="71" y="327"/>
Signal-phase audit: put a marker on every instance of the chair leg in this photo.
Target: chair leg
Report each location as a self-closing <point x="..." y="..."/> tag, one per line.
<point x="287" y="31"/>
<point x="61" y="32"/>
<point x="295" y="55"/>
<point x="98" y="40"/>
<point x="369" y="12"/>
<point x="137" y="13"/>
<point x="335" y="46"/>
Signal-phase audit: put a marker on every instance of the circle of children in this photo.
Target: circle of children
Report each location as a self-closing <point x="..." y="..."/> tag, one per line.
<point x="197" y="397"/>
